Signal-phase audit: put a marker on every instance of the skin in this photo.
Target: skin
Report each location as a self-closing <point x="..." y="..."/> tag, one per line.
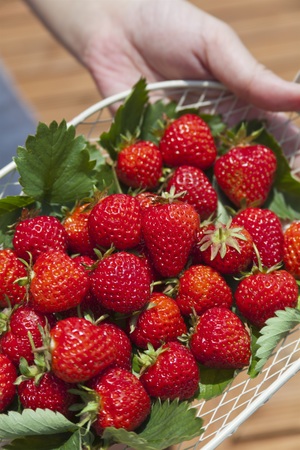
<point x="169" y="39"/>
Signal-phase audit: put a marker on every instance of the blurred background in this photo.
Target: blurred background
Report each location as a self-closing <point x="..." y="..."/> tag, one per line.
<point x="57" y="87"/>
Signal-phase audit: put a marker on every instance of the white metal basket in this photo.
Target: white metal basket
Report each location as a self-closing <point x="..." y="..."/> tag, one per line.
<point x="224" y="414"/>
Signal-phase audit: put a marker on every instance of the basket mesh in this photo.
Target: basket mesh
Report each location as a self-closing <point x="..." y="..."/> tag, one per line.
<point x="224" y="414"/>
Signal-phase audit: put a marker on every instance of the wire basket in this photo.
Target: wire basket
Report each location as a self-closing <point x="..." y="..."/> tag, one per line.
<point x="224" y="414"/>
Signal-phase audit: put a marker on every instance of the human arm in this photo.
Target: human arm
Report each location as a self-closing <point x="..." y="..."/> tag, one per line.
<point x="118" y="41"/>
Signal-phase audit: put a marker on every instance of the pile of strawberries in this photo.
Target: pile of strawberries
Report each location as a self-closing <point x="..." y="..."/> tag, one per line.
<point x="127" y="297"/>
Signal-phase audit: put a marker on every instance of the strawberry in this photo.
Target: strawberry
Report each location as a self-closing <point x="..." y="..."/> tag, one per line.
<point x="170" y="372"/>
<point x="49" y="392"/>
<point x="266" y="231"/>
<point x="198" y="189"/>
<point x="80" y="349"/>
<point x="121" y="282"/>
<point x="200" y="288"/>
<point x="37" y="235"/>
<point x="146" y="198"/>
<point x="159" y="323"/>
<point x="291" y="256"/>
<point x="11" y="270"/>
<point x="139" y="165"/>
<point x="226" y="247"/>
<point x="122" y="400"/>
<point x="58" y="282"/>
<point x="76" y="226"/>
<point x="8" y="376"/>
<point x="115" y="221"/>
<point x="246" y="174"/>
<point x="122" y="343"/>
<point x="220" y="340"/>
<point x="15" y="342"/>
<point x="259" y="295"/>
<point x="169" y="230"/>
<point x="188" y="140"/>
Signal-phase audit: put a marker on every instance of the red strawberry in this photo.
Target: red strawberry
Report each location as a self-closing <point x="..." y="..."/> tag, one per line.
<point x="266" y="231"/>
<point x="146" y="199"/>
<point x="38" y="235"/>
<point x="226" y="248"/>
<point x="172" y="372"/>
<point x="161" y="322"/>
<point x="169" y="231"/>
<point x="246" y="174"/>
<point x="49" y="392"/>
<point x="76" y="226"/>
<point x="188" y="140"/>
<point x="80" y="349"/>
<point x="121" y="282"/>
<point x="11" y="270"/>
<point x="139" y="165"/>
<point x="116" y="220"/>
<point x="198" y="189"/>
<point x="200" y="288"/>
<point x="220" y="340"/>
<point x="291" y="256"/>
<point x="8" y="376"/>
<point x="58" y="282"/>
<point x="259" y="295"/>
<point x="15" y="342"/>
<point x="122" y="344"/>
<point x="123" y="401"/>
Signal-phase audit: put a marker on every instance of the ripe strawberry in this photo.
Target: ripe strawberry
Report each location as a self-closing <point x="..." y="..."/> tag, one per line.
<point x="121" y="283"/>
<point x="169" y="231"/>
<point x="58" y="282"/>
<point x="220" y="340"/>
<point x="198" y="189"/>
<point x="188" y="140"/>
<point x="37" y="235"/>
<point x="266" y="231"/>
<point x="246" y="174"/>
<point x="80" y="349"/>
<point x="159" y="323"/>
<point x="49" y="392"/>
<point x="76" y="226"/>
<point x="200" y="288"/>
<point x="8" y="376"/>
<point x="226" y="247"/>
<point x="15" y="342"/>
<point x="11" y="270"/>
<point x="122" y="343"/>
<point x="123" y="401"/>
<point x="172" y="372"/>
<point x="116" y="220"/>
<point x="291" y="256"/>
<point x="139" y="165"/>
<point x="261" y="294"/>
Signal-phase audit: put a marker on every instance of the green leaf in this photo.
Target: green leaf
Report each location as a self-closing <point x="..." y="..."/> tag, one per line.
<point x="273" y="332"/>
<point x="252" y="371"/>
<point x="170" y="423"/>
<point x="286" y="207"/>
<point x="54" y="165"/>
<point x="53" y="442"/>
<point x="213" y="382"/>
<point x="29" y="423"/>
<point x="12" y="203"/>
<point x="153" y="122"/>
<point x="127" y="119"/>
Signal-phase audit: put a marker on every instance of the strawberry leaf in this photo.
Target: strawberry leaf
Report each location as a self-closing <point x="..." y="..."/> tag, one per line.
<point x="152" y="124"/>
<point x="286" y="208"/>
<point x="54" y="165"/>
<point x="29" y="423"/>
<point x="213" y="382"/>
<point x="127" y="119"/>
<point x="170" y="423"/>
<point x="54" y="442"/>
<point x="272" y="333"/>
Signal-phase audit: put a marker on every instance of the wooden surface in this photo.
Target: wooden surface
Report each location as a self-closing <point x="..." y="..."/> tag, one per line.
<point x="58" y="87"/>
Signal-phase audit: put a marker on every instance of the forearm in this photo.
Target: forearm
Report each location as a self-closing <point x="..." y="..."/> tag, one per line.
<point x="74" y="22"/>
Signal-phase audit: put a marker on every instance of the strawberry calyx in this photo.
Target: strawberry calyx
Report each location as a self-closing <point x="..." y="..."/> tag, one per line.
<point x="239" y="138"/>
<point x="144" y="360"/>
<point x="220" y="237"/>
<point x="88" y="408"/>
